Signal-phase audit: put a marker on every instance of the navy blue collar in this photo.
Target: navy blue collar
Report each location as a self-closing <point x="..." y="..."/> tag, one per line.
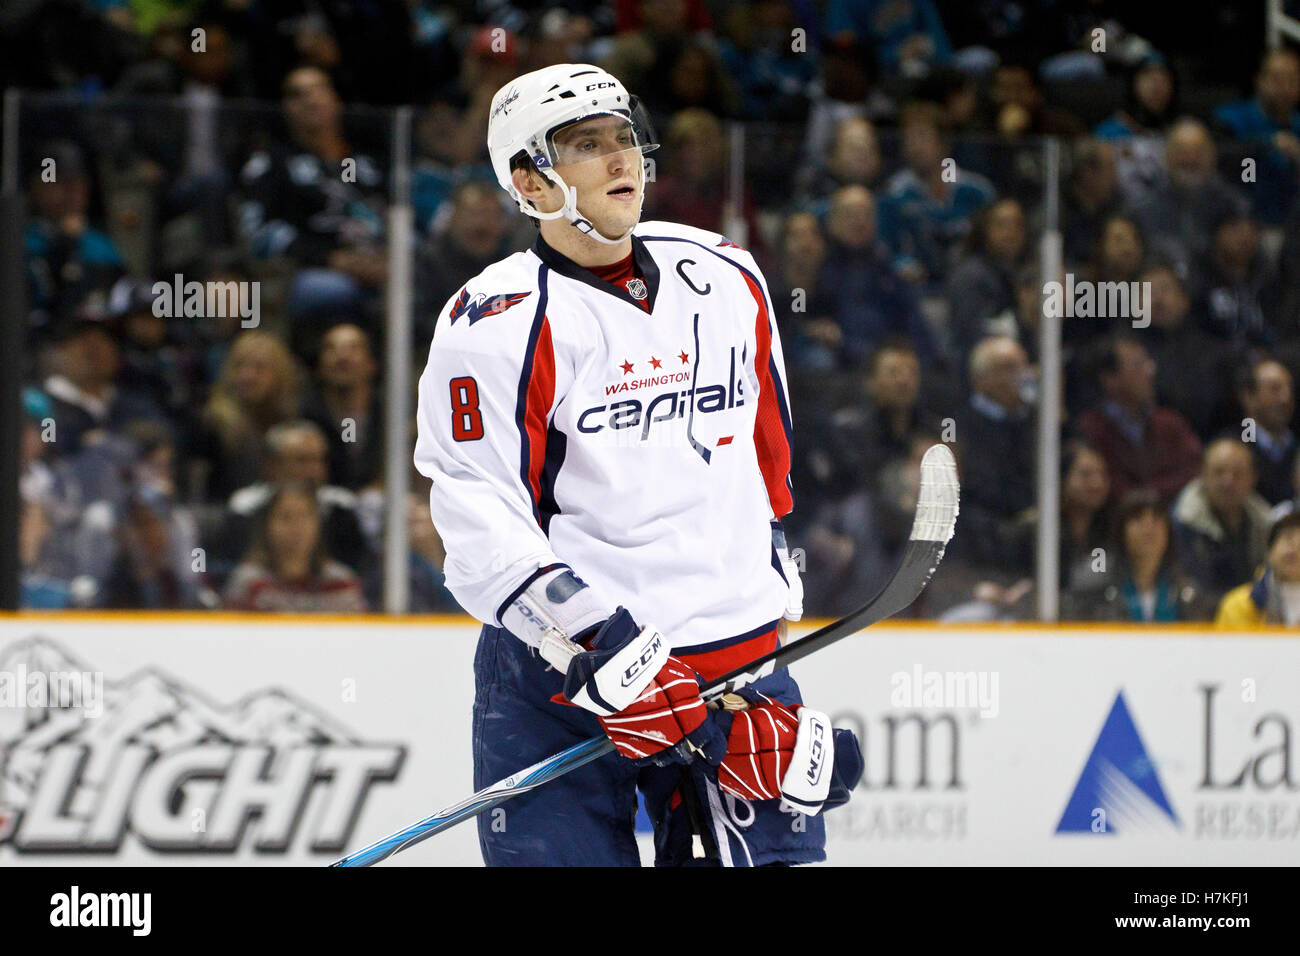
<point x="645" y="264"/>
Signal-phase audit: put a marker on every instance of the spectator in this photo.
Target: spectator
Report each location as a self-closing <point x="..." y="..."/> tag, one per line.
<point x="451" y="129"/>
<point x="876" y="426"/>
<point x="303" y="202"/>
<point x="697" y="79"/>
<point x="840" y="537"/>
<point x="668" y="66"/>
<point x="1137" y="132"/>
<point x="428" y="587"/>
<point x="774" y="77"/>
<point x="1292" y="503"/>
<point x="896" y="489"/>
<point x="1085" y="518"/>
<point x="804" y="308"/>
<point x="1181" y="210"/>
<point x="1268" y="400"/>
<point x="982" y="287"/>
<point x="1239" y="287"/>
<point x="1192" y="367"/>
<point x="1120" y="251"/>
<point x="996" y="455"/>
<point x="160" y="359"/>
<point x="907" y="39"/>
<point x="1147" y="586"/>
<point x="1275" y="597"/>
<point x="1288" y="269"/>
<point x="183" y="153"/>
<point x="872" y="301"/>
<point x="1117" y="258"/>
<point x="844" y="92"/>
<point x="1145" y="446"/>
<point x="957" y="94"/>
<point x="853" y="160"/>
<point x="691" y="186"/>
<point x="348" y="407"/>
<point x="1268" y="125"/>
<point x="88" y="402"/>
<point x="1220" y="523"/>
<point x="257" y="388"/>
<point x="1091" y="198"/>
<point x="288" y="567"/>
<point x="297" y="453"/>
<point x="50" y="502"/>
<point x="1029" y="309"/>
<point x="927" y="207"/>
<point x="1019" y="108"/>
<point x="154" y="566"/>
<point x="475" y="234"/>
<point x="69" y="262"/>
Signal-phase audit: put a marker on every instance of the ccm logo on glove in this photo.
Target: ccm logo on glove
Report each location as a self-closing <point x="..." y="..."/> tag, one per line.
<point x="816" y="751"/>
<point x="649" y="656"/>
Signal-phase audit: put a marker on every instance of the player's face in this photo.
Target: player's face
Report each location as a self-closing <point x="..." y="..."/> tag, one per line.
<point x="599" y="157"/>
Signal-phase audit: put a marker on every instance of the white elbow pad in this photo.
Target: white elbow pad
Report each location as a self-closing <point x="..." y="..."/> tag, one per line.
<point x="556" y="601"/>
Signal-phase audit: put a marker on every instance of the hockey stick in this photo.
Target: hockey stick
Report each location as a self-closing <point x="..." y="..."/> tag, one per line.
<point x="932" y="527"/>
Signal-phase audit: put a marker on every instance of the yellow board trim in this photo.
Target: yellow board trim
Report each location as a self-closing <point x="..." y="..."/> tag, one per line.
<point x="414" y="620"/>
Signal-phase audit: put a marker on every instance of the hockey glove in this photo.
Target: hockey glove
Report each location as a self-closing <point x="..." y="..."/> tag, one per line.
<point x="788" y="751"/>
<point x="648" y="702"/>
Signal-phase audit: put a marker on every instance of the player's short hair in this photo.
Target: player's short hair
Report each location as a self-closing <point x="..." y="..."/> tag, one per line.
<point x="521" y="160"/>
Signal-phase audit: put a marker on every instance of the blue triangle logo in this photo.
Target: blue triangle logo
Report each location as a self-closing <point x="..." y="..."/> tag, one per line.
<point x="1119" y="790"/>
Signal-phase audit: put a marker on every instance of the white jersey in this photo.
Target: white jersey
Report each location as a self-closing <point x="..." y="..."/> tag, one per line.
<point x="563" y="425"/>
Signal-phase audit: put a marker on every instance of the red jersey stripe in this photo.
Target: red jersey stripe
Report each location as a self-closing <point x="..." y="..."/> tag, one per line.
<point x="541" y="393"/>
<point x="770" y="440"/>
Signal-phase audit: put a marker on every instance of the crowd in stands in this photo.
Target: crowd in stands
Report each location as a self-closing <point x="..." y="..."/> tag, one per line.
<point x="894" y="172"/>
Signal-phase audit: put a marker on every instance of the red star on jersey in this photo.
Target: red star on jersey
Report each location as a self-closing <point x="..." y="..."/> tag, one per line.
<point x="684" y="357"/>
<point x="655" y="363"/>
<point x="627" y="367"/>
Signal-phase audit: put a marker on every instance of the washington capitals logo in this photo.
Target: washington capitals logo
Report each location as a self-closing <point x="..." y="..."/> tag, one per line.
<point x="729" y="244"/>
<point x="483" y="305"/>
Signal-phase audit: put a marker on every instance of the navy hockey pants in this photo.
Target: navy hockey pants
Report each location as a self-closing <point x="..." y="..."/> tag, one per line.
<point x="586" y="817"/>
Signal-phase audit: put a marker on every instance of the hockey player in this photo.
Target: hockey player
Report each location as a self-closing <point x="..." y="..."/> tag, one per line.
<point x="605" y="422"/>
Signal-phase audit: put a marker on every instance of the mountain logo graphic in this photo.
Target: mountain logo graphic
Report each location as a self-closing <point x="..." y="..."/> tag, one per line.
<point x="167" y="767"/>
<point x="1119" y="789"/>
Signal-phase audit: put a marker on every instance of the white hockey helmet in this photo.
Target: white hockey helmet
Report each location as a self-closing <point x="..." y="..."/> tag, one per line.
<point x="530" y="109"/>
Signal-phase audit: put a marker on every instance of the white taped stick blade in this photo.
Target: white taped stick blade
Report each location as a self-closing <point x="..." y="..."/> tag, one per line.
<point x="936" y="509"/>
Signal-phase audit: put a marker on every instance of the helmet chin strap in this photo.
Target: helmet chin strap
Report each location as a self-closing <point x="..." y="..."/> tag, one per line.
<point x="571" y="212"/>
<point x="585" y="225"/>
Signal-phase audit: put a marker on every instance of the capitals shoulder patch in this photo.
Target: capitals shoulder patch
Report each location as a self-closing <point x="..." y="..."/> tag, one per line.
<point x="482" y="305"/>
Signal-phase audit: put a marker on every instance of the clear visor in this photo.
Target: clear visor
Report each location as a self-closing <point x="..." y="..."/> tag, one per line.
<point x="601" y="134"/>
